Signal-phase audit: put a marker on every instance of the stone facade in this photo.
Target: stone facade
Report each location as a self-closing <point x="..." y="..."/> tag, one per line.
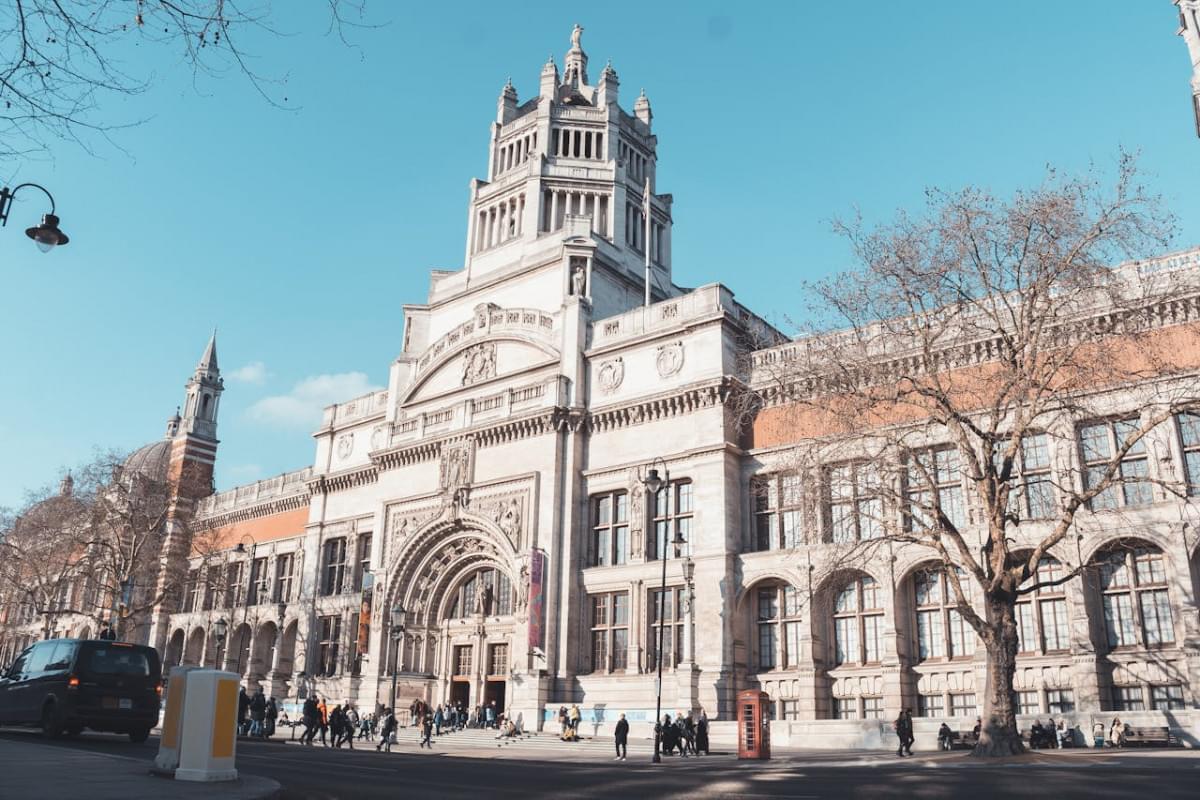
<point x="496" y="491"/>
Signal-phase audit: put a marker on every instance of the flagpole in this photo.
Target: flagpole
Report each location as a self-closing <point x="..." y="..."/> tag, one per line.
<point x="646" y="243"/>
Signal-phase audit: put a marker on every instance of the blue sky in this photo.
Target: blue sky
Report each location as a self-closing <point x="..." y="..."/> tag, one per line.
<point x="300" y="233"/>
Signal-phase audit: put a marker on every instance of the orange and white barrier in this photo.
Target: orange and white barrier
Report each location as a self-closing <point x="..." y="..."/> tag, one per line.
<point x="208" y="728"/>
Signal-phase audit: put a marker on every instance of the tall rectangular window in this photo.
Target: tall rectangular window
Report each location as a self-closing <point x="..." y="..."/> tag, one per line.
<point x="935" y="483"/>
<point x="235" y="588"/>
<point x="498" y="659"/>
<point x="610" y="631"/>
<point x="284" y="566"/>
<point x="776" y="500"/>
<point x="333" y="566"/>
<point x="1137" y="608"/>
<point x="213" y="580"/>
<point x="872" y="707"/>
<point x="363" y="567"/>
<point x="962" y="705"/>
<point x="673" y="519"/>
<point x="1189" y="439"/>
<point x="768" y="628"/>
<point x="330" y="629"/>
<point x="610" y="529"/>
<point x="259" y="581"/>
<point x="853" y="509"/>
<point x="665" y="615"/>
<point x="1033" y="495"/>
<point x="190" y="588"/>
<point x="1099" y="443"/>
<point x="462" y="660"/>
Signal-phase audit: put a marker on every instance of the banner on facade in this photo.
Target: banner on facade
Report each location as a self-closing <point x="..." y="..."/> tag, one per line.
<point x="364" y="618"/>
<point x="537" y="600"/>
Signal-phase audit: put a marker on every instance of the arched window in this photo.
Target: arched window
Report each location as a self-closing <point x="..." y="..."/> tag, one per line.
<point x="858" y="622"/>
<point x="1137" y="607"/>
<point x="204" y="407"/>
<point x="777" y="627"/>
<point x="941" y="630"/>
<point x="1042" y="622"/>
<point x="496" y="589"/>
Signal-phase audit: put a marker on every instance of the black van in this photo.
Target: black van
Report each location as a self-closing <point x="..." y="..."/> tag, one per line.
<point x="66" y="685"/>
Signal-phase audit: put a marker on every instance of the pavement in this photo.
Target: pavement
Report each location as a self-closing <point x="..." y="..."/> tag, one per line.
<point x="33" y="768"/>
<point x="474" y="764"/>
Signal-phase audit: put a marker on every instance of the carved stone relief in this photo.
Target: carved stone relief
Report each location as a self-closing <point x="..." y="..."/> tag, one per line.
<point x="456" y="471"/>
<point x="637" y="515"/>
<point x="379" y="437"/>
<point x="479" y="363"/>
<point x="669" y="359"/>
<point x="345" y="445"/>
<point x="612" y="372"/>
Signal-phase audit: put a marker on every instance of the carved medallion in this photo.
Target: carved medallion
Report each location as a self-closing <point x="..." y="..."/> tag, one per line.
<point x="379" y="437"/>
<point x="479" y="363"/>
<point x="612" y="372"/>
<point x="345" y="445"/>
<point x="669" y="359"/>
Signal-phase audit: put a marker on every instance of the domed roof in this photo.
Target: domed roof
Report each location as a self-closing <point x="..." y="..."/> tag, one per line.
<point x="150" y="461"/>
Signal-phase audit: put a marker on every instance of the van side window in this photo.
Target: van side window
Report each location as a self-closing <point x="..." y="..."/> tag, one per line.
<point x="18" y="667"/>
<point x="39" y="657"/>
<point x="61" y="659"/>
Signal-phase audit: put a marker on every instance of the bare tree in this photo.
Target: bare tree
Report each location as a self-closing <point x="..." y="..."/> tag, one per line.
<point x="962" y="336"/>
<point x="61" y="61"/>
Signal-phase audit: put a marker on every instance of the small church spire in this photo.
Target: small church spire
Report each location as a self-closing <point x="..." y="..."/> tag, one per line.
<point x="208" y="361"/>
<point x="203" y="392"/>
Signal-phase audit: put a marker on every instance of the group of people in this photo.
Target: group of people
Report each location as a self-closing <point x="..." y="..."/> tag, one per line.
<point x="257" y="714"/>
<point x="454" y="716"/>
<point x="337" y="726"/>
<point x="687" y="734"/>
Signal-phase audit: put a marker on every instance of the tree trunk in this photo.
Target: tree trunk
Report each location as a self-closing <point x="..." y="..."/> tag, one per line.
<point x="999" y="735"/>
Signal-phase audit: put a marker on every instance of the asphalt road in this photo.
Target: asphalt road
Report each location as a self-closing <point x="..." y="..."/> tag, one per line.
<point x="324" y="774"/>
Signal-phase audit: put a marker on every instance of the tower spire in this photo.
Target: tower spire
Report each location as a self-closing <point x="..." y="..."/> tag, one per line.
<point x="203" y="391"/>
<point x="208" y="361"/>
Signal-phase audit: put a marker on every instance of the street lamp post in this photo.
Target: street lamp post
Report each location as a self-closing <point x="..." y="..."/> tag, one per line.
<point x="250" y="590"/>
<point x="398" y="617"/>
<point x="47" y="235"/>
<point x="653" y="483"/>
<point x="220" y="629"/>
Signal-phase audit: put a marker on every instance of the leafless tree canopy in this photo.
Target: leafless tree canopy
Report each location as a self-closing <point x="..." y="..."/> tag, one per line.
<point x="62" y="60"/>
<point x="966" y="336"/>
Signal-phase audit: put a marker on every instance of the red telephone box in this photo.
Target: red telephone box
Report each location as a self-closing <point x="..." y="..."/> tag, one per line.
<point x="754" y="724"/>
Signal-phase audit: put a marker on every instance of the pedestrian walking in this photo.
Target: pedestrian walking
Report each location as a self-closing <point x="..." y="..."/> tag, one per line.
<point x="258" y="712"/>
<point x="575" y="717"/>
<point x="389" y="727"/>
<point x="621" y="737"/>
<point x="311" y="716"/>
<point x="243" y="710"/>
<point x="323" y="720"/>
<point x="904" y="732"/>
<point x="702" y="733"/>
<point x="439" y="717"/>
<point x="427" y="731"/>
<point x="272" y="716"/>
<point x="491" y="715"/>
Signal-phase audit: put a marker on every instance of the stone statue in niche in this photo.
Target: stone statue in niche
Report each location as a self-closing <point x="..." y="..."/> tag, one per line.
<point x="523" y="588"/>
<point x="479" y="363"/>
<point x="578" y="281"/>
<point x="637" y="498"/>
<point x="483" y="600"/>
<point x="510" y="519"/>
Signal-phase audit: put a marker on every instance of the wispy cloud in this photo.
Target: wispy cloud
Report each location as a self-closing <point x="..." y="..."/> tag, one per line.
<point x="301" y="407"/>
<point x="255" y="373"/>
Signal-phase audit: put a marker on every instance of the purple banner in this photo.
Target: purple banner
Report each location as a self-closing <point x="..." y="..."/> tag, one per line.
<point x="537" y="600"/>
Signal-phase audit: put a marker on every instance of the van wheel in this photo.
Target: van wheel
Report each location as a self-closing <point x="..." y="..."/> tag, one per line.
<point x="140" y="735"/>
<point x="51" y="726"/>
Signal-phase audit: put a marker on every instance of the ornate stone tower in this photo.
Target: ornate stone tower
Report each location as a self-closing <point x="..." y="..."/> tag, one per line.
<point x="193" y="454"/>
<point x="571" y="176"/>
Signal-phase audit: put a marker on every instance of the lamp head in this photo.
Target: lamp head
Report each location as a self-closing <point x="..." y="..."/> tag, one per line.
<point x="47" y="236"/>
<point x="399" y="615"/>
<point x="653" y="481"/>
<point x="220" y="628"/>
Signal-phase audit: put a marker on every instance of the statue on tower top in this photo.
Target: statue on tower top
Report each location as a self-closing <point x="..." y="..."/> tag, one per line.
<point x="576" y="35"/>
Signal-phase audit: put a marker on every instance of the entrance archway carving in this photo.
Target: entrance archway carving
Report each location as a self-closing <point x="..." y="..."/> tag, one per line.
<point x="450" y="652"/>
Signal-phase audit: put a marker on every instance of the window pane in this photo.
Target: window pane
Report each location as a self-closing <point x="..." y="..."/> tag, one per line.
<point x="872" y="628"/>
<point x="791" y="529"/>
<point x="622" y="500"/>
<point x="1137" y="490"/>
<point x="870" y="594"/>
<point x="792" y="643"/>
<point x="620" y="651"/>
<point x="929" y="635"/>
<point x="768" y="603"/>
<point x="1039" y="495"/>
<point x="1028" y="703"/>
<point x="962" y="705"/>
<point x="1094" y="440"/>
<point x="872" y="708"/>
<point x="1156" y="617"/>
<point x="1060" y="701"/>
<point x="929" y="589"/>
<point x="791" y="601"/>
<point x="1026" y="632"/>
<point x="1034" y="452"/>
<point x="962" y="635"/>
<point x="1189" y="429"/>
<point x="847" y="599"/>
<point x="764" y="530"/>
<point x="846" y="635"/>
<point x="930" y="705"/>
<point x="620" y="609"/>
<point x="1055" y="628"/>
<point x="1149" y="567"/>
<point x="845" y="707"/>
<point x="1118" y="619"/>
<point x="841" y="523"/>
<point x="1128" y="698"/>
<point x="620" y="543"/>
<point x="1166" y="698"/>
<point x="766" y="646"/>
<point x="1125" y="430"/>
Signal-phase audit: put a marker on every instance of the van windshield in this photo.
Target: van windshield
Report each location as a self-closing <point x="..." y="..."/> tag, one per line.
<point x="110" y="660"/>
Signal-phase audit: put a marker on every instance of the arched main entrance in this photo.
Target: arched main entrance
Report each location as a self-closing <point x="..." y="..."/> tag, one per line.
<point x="460" y="585"/>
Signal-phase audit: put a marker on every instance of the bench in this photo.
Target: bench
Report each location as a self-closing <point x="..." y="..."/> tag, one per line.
<point x="1048" y="741"/>
<point x="962" y="740"/>
<point x="1149" y="737"/>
